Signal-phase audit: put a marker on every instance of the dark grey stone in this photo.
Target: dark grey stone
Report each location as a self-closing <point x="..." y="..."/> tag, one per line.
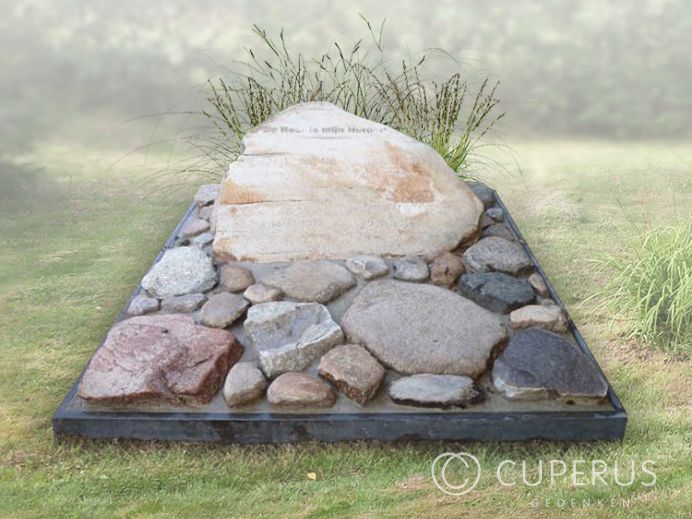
<point x="497" y="254"/>
<point x="499" y="230"/>
<point x="496" y="291"/>
<point x="540" y="364"/>
<point x="496" y="214"/>
<point x="483" y="192"/>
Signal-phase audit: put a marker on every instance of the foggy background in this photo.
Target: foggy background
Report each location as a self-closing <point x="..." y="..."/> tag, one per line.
<point x="78" y="70"/>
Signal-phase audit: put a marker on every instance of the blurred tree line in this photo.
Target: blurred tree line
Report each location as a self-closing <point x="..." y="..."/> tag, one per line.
<point x="617" y="69"/>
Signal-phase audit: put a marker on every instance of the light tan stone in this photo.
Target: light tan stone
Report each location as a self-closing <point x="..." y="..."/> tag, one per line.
<point x="317" y="182"/>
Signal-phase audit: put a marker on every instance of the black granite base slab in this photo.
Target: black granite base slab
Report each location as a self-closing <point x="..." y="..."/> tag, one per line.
<point x="603" y="422"/>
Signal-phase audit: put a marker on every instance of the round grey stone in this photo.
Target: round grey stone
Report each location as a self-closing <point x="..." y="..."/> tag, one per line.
<point x="410" y="268"/>
<point x="261" y="293"/>
<point x="142" y="304"/>
<point x="367" y="267"/>
<point x="539" y="364"/>
<point x="318" y="281"/>
<point x="443" y="391"/>
<point x="244" y="384"/>
<point x="497" y="254"/>
<point x="182" y="270"/>
<point x="496" y="214"/>
<point x="496" y="291"/>
<point x="415" y="328"/>
<point x="203" y="240"/>
<point x="182" y="304"/>
<point x="223" y="309"/>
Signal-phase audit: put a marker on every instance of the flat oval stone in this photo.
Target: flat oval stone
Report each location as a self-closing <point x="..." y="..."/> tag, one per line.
<point x="443" y="391"/>
<point x="181" y="270"/>
<point x="318" y="281"/>
<point x="410" y="268"/>
<point x="261" y="293"/>
<point x="496" y="291"/>
<point x="549" y="317"/>
<point x="367" y="267"/>
<point x="223" y="309"/>
<point x="415" y="328"/>
<point x="182" y="304"/>
<point x="497" y="254"/>
<point x="539" y="364"/>
<point x="499" y="230"/>
<point x="299" y="390"/>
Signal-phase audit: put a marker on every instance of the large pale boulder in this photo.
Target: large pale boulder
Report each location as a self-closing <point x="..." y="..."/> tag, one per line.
<point x="318" y="182"/>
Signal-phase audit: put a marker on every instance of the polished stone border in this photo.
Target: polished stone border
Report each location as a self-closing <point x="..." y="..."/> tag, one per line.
<point x="280" y="428"/>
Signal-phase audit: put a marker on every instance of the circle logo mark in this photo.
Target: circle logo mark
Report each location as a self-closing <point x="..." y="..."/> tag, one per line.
<point x="468" y="466"/>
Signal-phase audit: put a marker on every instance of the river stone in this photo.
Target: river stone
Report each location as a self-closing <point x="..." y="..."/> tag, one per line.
<point x="496" y="291"/>
<point x="223" y="309"/>
<point x="499" y="230"/>
<point x="415" y="328"/>
<point x="194" y="227"/>
<point x="318" y="281"/>
<point x="261" y="293"/>
<point x="290" y="336"/>
<point x="182" y="304"/>
<point x="206" y="194"/>
<point x="367" y="267"/>
<point x="156" y="359"/>
<point x="182" y="270"/>
<point x="410" y="268"/>
<point x="549" y="317"/>
<point x="443" y="391"/>
<point x="539" y="364"/>
<point x="495" y="214"/>
<point x="235" y="278"/>
<point x="539" y="284"/>
<point x="353" y="371"/>
<point x="446" y="268"/>
<point x="244" y="384"/>
<point x="483" y="192"/>
<point x="142" y="304"/>
<point x="203" y="240"/>
<point x="497" y="254"/>
<point x="316" y="182"/>
<point x="300" y="390"/>
<point x="205" y="212"/>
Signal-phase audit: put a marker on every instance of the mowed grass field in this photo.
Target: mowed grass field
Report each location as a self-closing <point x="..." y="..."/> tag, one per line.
<point x="80" y="232"/>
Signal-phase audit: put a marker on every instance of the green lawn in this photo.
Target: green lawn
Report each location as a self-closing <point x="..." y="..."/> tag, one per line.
<point x="74" y="246"/>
